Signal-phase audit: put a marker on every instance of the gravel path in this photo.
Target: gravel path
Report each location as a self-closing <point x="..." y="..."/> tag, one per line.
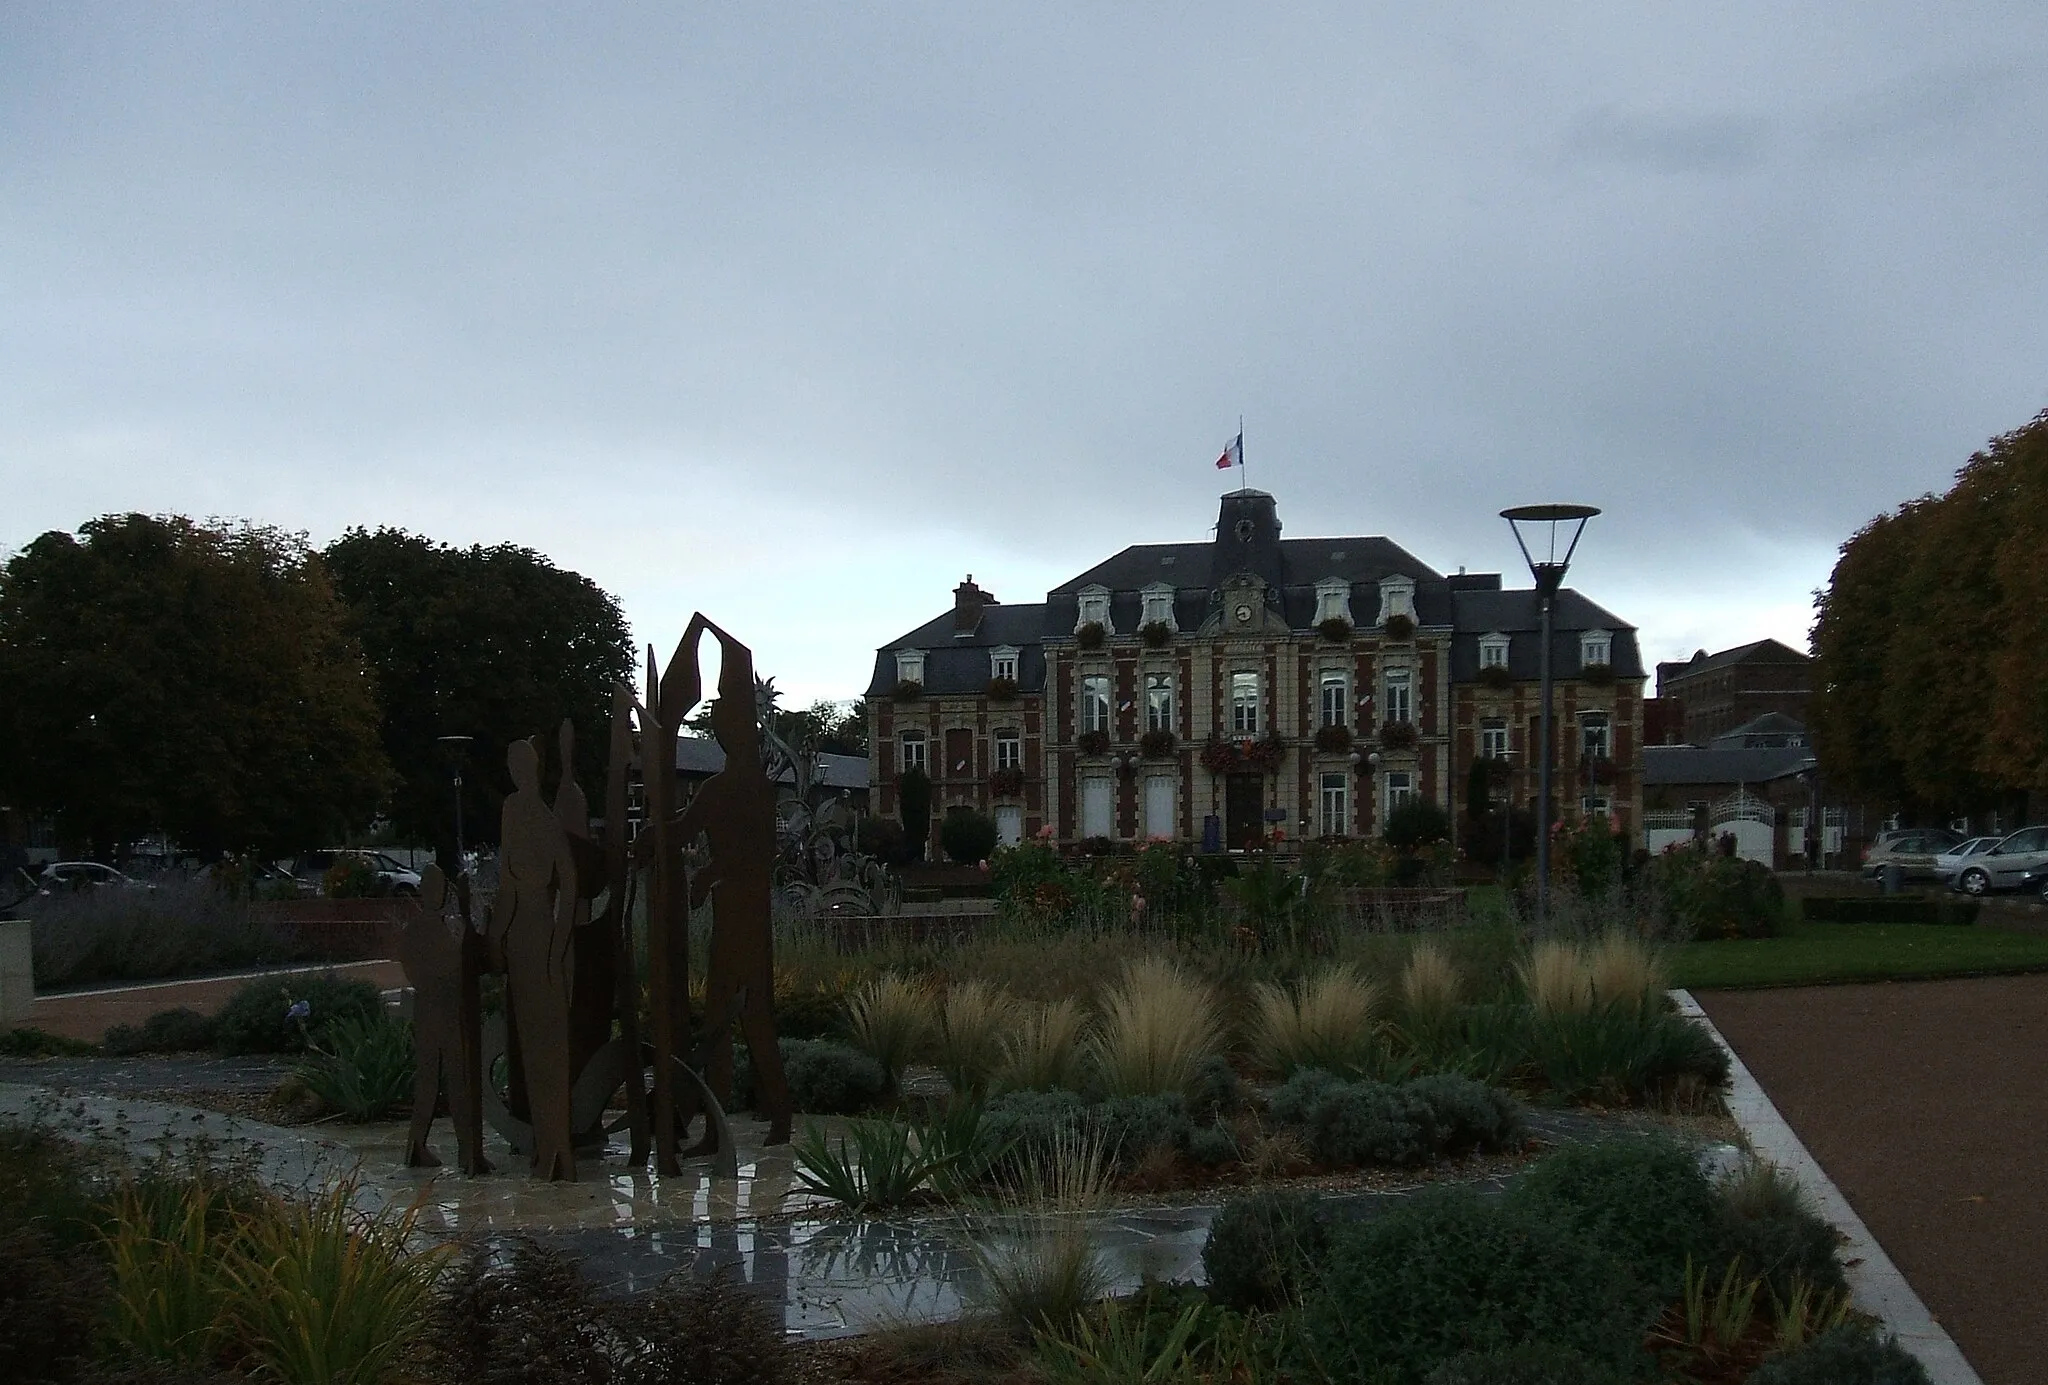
<point x="1927" y="1103"/>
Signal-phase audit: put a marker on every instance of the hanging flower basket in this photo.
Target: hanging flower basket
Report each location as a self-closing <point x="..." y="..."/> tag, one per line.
<point x="1497" y="677"/>
<point x="1399" y="627"/>
<point x="908" y="690"/>
<point x="1599" y="675"/>
<point x="1336" y="630"/>
<point x="1398" y="735"/>
<point x="1006" y="783"/>
<point x="1156" y="634"/>
<point x="1156" y="745"/>
<point x="1002" y="689"/>
<point x="1220" y="756"/>
<point x="1263" y="756"/>
<point x="1332" y="740"/>
<point x="1091" y="635"/>
<point x="1092" y="742"/>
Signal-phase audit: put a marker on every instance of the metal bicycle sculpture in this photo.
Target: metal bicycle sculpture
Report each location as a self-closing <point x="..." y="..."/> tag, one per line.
<point x="561" y="933"/>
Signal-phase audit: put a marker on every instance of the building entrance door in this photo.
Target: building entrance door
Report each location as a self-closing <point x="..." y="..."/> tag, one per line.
<point x="1244" y="811"/>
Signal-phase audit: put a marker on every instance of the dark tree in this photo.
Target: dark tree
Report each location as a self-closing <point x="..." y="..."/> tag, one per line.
<point x="492" y="643"/>
<point x="914" y="805"/>
<point x="200" y="681"/>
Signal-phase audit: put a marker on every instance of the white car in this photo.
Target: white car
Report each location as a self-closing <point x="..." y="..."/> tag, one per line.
<point x="2002" y="867"/>
<point x="393" y="875"/>
<point x="86" y="875"/>
<point x="1947" y="864"/>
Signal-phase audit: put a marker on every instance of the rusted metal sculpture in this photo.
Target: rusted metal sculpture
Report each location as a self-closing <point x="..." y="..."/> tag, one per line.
<point x="735" y="810"/>
<point x="568" y="961"/>
<point x="443" y="957"/>
<point x="531" y="922"/>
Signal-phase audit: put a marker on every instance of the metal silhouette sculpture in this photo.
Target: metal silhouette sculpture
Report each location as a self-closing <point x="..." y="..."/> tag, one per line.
<point x="568" y="959"/>
<point x="443" y="958"/>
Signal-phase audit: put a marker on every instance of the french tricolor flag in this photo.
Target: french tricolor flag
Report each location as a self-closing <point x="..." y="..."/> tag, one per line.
<point x="1233" y="455"/>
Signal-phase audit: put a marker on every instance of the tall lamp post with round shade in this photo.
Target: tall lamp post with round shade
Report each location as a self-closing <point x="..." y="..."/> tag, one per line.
<point x="1540" y="529"/>
<point x="456" y="747"/>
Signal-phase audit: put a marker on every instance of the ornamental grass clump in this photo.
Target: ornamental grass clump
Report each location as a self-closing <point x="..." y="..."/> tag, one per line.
<point x="1556" y="980"/>
<point x="1042" y="1050"/>
<point x="1159" y="1025"/>
<point x="889" y="1019"/>
<point x="1327" y="1022"/>
<point x="361" y="1066"/>
<point x="974" y="1019"/>
<point x="1039" y="1270"/>
<point x="1621" y="970"/>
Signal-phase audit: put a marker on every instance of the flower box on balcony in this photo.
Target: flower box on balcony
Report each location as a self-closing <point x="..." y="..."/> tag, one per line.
<point x="1092" y="742"/>
<point x="1497" y="677"/>
<point x="1006" y="783"/>
<point x="1332" y="740"/>
<point x="1156" y="634"/>
<point x="1156" y="745"/>
<point x="1336" y="630"/>
<point x="1398" y="628"/>
<point x="908" y="690"/>
<point x="1002" y="689"/>
<point x="1596" y="769"/>
<point x="1599" y="675"/>
<point x="1398" y="735"/>
<point x="1091" y="635"/>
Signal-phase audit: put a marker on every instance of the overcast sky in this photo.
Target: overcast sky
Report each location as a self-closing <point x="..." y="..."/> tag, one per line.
<point x="796" y="314"/>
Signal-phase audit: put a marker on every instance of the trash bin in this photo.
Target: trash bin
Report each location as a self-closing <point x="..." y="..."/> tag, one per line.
<point x="1892" y="879"/>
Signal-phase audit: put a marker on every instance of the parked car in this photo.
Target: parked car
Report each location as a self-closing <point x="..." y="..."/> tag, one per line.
<point x="393" y="875"/>
<point x="2035" y="883"/>
<point x="1949" y="863"/>
<point x="86" y="875"/>
<point x="1911" y="849"/>
<point x="2004" y="865"/>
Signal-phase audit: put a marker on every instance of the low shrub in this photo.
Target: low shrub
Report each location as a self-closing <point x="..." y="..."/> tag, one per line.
<point x="1033" y="1126"/>
<point x="360" y="1066"/>
<point x="284" y="1014"/>
<point x="166" y="1031"/>
<point x="1852" y="1354"/>
<point x="967" y="836"/>
<point x="830" y="1079"/>
<point x="1643" y="1200"/>
<point x="1531" y="1363"/>
<point x="1401" y="1124"/>
<point x="1211" y="1145"/>
<point x="1264" y="1251"/>
<point x="1704" y="894"/>
<point x="1769" y="1228"/>
<point x="1451" y="1271"/>
<point x="698" y="1331"/>
<point x="38" y="1043"/>
<point x="1939" y="909"/>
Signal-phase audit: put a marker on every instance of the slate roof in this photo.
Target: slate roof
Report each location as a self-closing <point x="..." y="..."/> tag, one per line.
<point x="1769" y="724"/>
<point x="1518" y="614"/>
<point x="1756" y="651"/>
<point x="702" y="756"/>
<point x="1679" y="765"/>
<point x="959" y="664"/>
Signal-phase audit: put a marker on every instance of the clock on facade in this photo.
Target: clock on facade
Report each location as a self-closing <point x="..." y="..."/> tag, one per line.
<point x="1244" y="615"/>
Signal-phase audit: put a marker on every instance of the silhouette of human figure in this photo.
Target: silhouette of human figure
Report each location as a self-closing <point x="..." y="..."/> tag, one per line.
<point x="532" y="926"/>
<point x="442" y="957"/>
<point x="735" y="810"/>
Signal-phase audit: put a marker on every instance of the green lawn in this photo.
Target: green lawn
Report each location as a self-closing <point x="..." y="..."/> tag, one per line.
<point x="1811" y="953"/>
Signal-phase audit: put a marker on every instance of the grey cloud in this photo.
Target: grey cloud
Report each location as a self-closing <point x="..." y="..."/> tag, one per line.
<point x="1668" y="143"/>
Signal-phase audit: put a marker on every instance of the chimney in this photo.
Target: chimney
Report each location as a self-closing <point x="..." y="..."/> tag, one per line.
<point x="968" y="600"/>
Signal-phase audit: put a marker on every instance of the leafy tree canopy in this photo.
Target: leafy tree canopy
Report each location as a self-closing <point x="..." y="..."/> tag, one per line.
<point x="492" y="643"/>
<point x="196" y="680"/>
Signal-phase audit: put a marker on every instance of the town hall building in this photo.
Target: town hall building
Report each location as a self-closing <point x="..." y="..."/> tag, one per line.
<point x="1216" y="692"/>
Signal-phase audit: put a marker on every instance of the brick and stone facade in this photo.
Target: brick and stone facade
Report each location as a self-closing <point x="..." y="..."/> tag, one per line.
<point x="1212" y="691"/>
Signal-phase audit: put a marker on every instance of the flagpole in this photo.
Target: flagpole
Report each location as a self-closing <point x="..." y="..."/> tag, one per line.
<point x="1243" y="477"/>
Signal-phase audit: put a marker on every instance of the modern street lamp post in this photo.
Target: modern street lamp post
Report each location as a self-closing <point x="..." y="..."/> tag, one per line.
<point x="1548" y="573"/>
<point x="456" y="746"/>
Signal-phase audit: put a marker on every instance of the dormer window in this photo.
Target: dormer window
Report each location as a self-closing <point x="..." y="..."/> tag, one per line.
<point x="1493" y="650"/>
<point x="1333" y="600"/>
<point x="910" y="666"/>
<point x="1158" y="606"/>
<point x="1002" y="662"/>
<point x="1397" y="597"/>
<point x="1094" y="609"/>
<point x="1596" y="647"/>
